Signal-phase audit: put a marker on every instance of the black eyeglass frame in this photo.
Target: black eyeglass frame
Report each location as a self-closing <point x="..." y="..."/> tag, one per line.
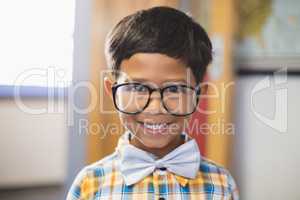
<point x="115" y="87"/>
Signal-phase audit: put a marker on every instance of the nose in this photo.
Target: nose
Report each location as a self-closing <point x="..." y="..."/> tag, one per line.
<point x="155" y="105"/>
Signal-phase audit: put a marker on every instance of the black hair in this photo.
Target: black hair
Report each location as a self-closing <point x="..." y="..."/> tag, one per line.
<point x="162" y="30"/>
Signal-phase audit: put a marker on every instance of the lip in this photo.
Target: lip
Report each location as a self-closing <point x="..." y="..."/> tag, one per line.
<point x="155" y="132"/>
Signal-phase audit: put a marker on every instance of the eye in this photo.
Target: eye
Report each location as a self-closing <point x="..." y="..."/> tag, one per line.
<point x="174" y="89"/>
<point x="139" y="88"/>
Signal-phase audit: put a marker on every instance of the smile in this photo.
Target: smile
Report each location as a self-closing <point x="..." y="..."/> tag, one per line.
<point x="155" y="128"/>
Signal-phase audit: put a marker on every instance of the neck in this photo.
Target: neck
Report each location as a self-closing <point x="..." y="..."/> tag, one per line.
<point x="159" y="152"/>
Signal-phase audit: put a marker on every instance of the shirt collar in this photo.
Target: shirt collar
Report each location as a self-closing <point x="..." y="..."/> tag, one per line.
<point x="124" y="140"/>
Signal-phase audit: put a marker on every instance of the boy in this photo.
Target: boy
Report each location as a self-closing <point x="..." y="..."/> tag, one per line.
<point x="158" y="57"/>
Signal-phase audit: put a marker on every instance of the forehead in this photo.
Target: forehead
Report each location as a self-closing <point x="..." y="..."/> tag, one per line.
<point x="156" y="68"/>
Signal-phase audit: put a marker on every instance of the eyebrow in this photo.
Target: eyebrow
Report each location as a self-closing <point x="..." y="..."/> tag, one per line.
<point x="165" y="82"/>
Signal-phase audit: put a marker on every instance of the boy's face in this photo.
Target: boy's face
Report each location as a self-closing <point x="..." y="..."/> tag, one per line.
<point x="154" y="128"/>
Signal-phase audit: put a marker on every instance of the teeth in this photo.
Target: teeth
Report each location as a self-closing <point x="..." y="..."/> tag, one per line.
<point x="155" y="126"/>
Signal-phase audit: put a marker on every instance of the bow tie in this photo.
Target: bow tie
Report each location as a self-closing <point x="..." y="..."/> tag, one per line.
<point x="136" y="164"/>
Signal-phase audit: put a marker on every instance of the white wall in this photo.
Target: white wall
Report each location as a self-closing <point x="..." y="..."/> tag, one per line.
<point x="76" y="142"/>
<point x="267" y="162"/>
<point x="33" y="147"/>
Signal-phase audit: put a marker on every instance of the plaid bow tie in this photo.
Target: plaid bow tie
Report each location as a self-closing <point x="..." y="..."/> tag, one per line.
<point x="136" y="164"/>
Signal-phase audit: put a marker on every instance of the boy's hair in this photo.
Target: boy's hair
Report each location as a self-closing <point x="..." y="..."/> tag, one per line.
<point x="162" y="30"/>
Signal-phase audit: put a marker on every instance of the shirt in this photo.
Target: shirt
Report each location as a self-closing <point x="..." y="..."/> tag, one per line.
<point x="103" y="180"/>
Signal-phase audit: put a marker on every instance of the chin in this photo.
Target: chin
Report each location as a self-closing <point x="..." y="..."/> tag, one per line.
<point x="155" y="145"/>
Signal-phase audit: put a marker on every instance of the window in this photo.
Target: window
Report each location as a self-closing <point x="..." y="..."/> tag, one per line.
<point x="36" y="42"/>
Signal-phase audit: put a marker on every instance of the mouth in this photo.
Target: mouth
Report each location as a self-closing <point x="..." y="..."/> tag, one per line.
<point x="158" y="128"/>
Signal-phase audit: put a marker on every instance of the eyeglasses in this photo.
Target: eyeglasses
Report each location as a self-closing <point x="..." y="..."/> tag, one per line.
<point x="133" y="98"/>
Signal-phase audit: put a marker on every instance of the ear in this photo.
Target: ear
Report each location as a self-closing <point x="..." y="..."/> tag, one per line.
<point x="108" y="83"/>
<point x="203" y="89"/>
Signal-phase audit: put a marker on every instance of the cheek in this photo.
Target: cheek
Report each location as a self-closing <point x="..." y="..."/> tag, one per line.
<point x="177" y="127"/>
<point x="182" y="124"/>
<point x="127" y="120"/>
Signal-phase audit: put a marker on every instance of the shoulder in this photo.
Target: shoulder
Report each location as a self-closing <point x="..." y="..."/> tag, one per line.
<point x="209" y="166"/>
<point x="90" y="177"/>
<point x="104" y="164"/>
<point x="99" y="168"/>
<point x="218" y="176"/>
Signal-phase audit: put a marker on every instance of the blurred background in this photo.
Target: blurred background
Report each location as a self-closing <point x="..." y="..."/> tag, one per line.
<point x="55" y="117"/>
